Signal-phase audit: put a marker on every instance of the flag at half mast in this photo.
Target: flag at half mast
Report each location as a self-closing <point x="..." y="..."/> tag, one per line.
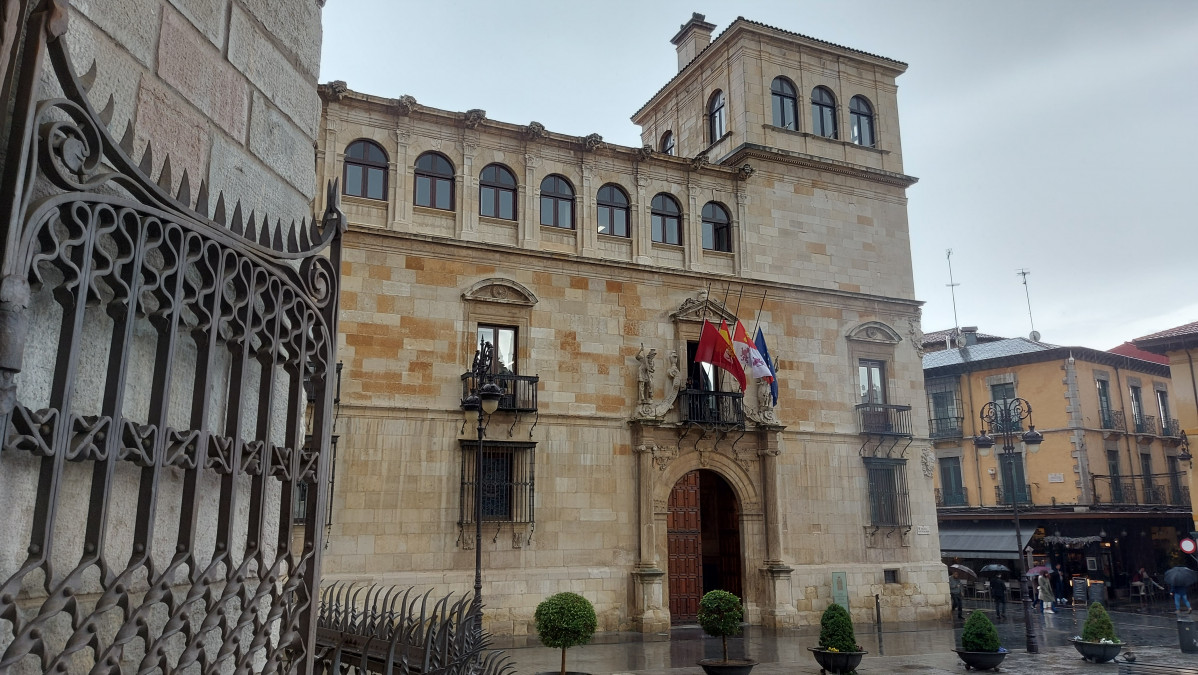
<point x="765" y="355"/>
<point x="715" y="347"/>
<point x="750" y="359"/>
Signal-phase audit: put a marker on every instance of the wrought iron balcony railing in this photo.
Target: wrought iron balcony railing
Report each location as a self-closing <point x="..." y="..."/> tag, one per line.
<point x="958" y="496"/>
<point x="723" y="408"/>
<point x="1153" y="489"/>
<point x="884" y="419"/>
<point x="519" y="391"/>
<point x="1170" y="428"/>
<point x="1112" y="420"/>
<point x="1145" y="424"/>
<point x="1114" y="490"/>
<point x="945" y="427"/>
<point x="1154" y="494"/>
<point x="1002" y="495"/>
<point x="1179" y="495"/>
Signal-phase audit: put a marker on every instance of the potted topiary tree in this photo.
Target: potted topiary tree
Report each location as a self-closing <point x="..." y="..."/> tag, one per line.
<point x="720" y="614"/>
<point x="838" y="651"/>
<point x="980" y="647"/>
<point x="1097" y="642"/>
<point x="563" y="621"/>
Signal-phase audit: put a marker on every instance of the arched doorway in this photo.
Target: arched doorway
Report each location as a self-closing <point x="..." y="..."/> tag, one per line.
<point x="703" y="533"/>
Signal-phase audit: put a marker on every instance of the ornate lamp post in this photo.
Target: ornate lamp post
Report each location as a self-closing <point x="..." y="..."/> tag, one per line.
<point x="1003" y="418"/>
<point x="484" y="398"/>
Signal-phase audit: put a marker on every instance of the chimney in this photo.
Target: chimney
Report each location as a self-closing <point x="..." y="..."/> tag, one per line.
<point x="692" y="38"/>
<point x="971" y="335"/>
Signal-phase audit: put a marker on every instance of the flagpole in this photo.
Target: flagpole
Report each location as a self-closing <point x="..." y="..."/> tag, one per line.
<point x="738" y="299"/>
<point x="758" y="321"/>
<point x="727" y="290"/>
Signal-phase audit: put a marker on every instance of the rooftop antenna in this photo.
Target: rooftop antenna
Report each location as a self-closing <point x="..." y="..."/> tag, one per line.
<point x="953" y="289"/>
<point x="1035" y="335"/>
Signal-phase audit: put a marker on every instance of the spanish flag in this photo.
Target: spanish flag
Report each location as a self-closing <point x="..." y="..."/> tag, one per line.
<point x="715" y="347"/>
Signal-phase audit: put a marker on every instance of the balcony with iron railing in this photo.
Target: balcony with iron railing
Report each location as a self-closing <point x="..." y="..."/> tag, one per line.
<point x="1112" y="420"/>
<point x="884" y="419"/>
<point x="1153" y="493"/>
<point x="946" y="427"/>
<point x="1145" y="424"/>
<point x="519" y="391"/>
<point x="1179" y="495"/>
<point x="958" y="496"/>
<point x="1170" y="428"/>
<point x="1157" y="489"/>
<point x="1022" y="493"/>
<point x="718" y="408"/>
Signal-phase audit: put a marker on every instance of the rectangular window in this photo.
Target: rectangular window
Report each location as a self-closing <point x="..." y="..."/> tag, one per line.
<point x="1137" y="405"/>
<point x="1014" y="486"/>
<point x="424" y="191"/>
<point x="353" y="179"/>
<point x="503" y="339"/>
<point x="1104" y="404"/>
<point x="506" y="490"/>
<point x="945" y="406"/>
<point x="1005" y="414"/>
<point x="487" y="200"/>
<point x="952" y="492"/>
<point x="1152" y="494"/>
<point x="889" y="503"/>
<point x="1177" y="495"/>
<point x="1162" y="404"/>
<point x="871" y="375"/>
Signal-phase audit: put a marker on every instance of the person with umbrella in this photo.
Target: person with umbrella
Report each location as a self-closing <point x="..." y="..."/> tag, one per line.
<point x="1046" y="595"/>
<point x="954" y="594"/>
<point x="1179" y="580"/>
<point x="998" y="591"/>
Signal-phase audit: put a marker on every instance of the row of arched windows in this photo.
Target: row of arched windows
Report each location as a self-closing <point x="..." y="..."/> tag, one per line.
<point x="785" y="114"/>
<point x="365" y="175"/>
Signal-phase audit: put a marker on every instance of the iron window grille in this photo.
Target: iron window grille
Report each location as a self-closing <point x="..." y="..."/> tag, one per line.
<point x="434" y="181"/>
<point x="785" y="104"/>
<point x="497" y="192"/>
<point x="507" y="485"/>
<point x="889" y="499"/>
<point x="613" y="210"/>
<point x="365" y="171"/>
<point x="557" y="203"/>
<point x="666" y="219"/>
<point x="717" y="228"/>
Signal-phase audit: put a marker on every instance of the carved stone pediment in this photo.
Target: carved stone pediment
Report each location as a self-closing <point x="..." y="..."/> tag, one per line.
<point x="503" y="291"/>
<point x="695" y="309"/>
<point x="876" y="332"/>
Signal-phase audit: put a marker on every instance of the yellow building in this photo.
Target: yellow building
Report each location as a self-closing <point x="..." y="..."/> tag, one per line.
<point x="1178" y="345"/>
<point x="1104" y="494"/>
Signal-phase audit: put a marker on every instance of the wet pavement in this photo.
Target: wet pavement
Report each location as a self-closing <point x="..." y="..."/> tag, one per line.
<point x="1151" y="634"/>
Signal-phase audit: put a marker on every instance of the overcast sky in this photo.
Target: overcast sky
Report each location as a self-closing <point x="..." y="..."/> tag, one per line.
<point x="1059" y="137"/>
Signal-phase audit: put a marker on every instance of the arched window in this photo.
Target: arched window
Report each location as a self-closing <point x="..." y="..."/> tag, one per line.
<point x="434" y="181"/>
<point x="823" y="113"/>
<point x="557" y="203"/>
<point x="667" y="143"/>
<point x="613" y="210"/>
<point x="716" y="120"/>
<point x="786" y="104"/>
<point x="365" y="170"/>
<point x="667" y="220"/>
<point x="717" y="228"/>
<point x="861" y="118"/>
<point x="497" y="192"/>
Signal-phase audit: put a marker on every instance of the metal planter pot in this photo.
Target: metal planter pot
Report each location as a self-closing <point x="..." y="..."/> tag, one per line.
<point x="837" y="662"/>
<point x="729" y="667"/>
<point x="981" y="660"/>
<point x="1098" y="652"/>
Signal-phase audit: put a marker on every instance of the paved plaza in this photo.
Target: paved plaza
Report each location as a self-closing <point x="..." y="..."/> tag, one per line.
<point x="1150" y="633"/>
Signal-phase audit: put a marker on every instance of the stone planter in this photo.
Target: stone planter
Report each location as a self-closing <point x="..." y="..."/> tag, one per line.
<point x="981" y="660"/>
<point x="1098" y="652"/>
<point x="729" y="667"/>
<point x="836" y="662"/>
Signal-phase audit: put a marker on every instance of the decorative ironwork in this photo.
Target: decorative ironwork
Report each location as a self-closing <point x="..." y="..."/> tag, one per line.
<point x="1008" y="495"/>
<point x="724" y="409"/>
<point x="884" y="419"/>
<point x="508" y="482"/>
<point x="889" y="500"/>
<point x="1179" y="495"/>
<point x="946" y="427"/>
<point x="1112" y="420"/>
<point x="1145" y="424"/>
<point x="519" y="391"/>
<point x="160" y="428"/>
<point x="956" y="497"/>
<point x="1170" y="428"/>
<point x="376" y="629"/>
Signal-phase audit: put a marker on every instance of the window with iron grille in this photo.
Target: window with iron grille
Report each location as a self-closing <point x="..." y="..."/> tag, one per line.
<point x="506" y="487"/>
<point x="944" y="402"/>
<point x="889" y="502"/>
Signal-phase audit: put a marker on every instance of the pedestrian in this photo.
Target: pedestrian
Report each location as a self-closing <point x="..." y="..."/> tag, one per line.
<point x="998" y="591"/>
<point x="1058" y="585"/>
<point x="1180" y="595"/>
<point x="954" y="594"/>
<point x="1037" y="603"/>
<point x="1046" y="595"/>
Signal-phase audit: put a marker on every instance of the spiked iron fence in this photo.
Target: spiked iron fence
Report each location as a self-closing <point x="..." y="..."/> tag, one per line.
<point x="377" y="629"/>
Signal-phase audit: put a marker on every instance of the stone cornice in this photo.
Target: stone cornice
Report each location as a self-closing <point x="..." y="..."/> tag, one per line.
<point x="754" y="151"/>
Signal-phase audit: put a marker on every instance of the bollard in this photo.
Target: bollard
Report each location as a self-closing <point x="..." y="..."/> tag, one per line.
<point x="1187" y="636"/>
<point x="878" y="607"/>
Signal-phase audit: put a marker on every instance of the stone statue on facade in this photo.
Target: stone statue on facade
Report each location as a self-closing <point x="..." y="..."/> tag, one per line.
<point x="644" y="375"/>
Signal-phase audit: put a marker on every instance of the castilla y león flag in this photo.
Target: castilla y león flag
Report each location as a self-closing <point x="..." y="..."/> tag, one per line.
<point x="746" y="352"/>
<point x="715" y="347"/>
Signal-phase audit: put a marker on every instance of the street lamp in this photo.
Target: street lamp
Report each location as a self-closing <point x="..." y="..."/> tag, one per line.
<point x="483" y="398"/>
<point x="1003" y="418"/>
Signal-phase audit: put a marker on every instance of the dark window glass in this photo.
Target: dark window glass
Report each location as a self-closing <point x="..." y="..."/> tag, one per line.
<point x="503" y="339"/>
<point x="667" y="220"/>
<point x="504" y="488"/>
<point x="861" y="117"/>
<point x="785" y="103"/>
<point x="717" y="228"/>
<point x="434" y="181"/>
<point x="365" y="170"/>
<point x="872" y="377"/>
<point x="1014" y="485"/>
<point x="889" y="499"/>
<point x="613" y="211"/>
<point x="667" y="143"/>
<point x="557" y="203"/>
<point x="716" y="120"/>
<point x="497" y="192"/>
<point x="823" y="113"/>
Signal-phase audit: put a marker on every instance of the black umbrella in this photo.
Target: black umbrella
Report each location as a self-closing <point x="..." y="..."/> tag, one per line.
<point x="994" y="568"/>
<point x="1180" y="577"/>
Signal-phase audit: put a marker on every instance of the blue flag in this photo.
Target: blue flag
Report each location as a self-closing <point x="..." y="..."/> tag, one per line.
<point x="765" y="354"/>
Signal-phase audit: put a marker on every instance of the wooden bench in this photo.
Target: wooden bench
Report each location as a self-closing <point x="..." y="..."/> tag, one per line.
<point x="1148" y="669"/>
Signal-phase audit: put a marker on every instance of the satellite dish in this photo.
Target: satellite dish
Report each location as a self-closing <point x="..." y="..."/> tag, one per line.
<point x="1035" y="336"/>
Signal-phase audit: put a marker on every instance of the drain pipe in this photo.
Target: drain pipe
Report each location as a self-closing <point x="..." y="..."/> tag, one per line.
<point x="878" y="608"/>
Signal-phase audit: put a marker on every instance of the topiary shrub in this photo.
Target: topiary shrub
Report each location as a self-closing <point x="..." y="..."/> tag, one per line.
<point x="836" y="630"/>
<point x="1098" y="625"/>
<point x="720" y="614"/>
<point x="565" y="620"/>
<point x="979" y="634"/>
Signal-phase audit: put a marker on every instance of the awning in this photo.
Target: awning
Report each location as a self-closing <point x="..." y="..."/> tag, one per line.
<point x="982" y="540"/>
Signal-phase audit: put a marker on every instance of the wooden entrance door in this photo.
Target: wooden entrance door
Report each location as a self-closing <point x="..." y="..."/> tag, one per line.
<point x="685" y="539"/>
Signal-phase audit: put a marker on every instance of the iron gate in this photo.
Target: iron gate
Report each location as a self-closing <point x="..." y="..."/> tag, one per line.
<point x="153" y="356"/>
